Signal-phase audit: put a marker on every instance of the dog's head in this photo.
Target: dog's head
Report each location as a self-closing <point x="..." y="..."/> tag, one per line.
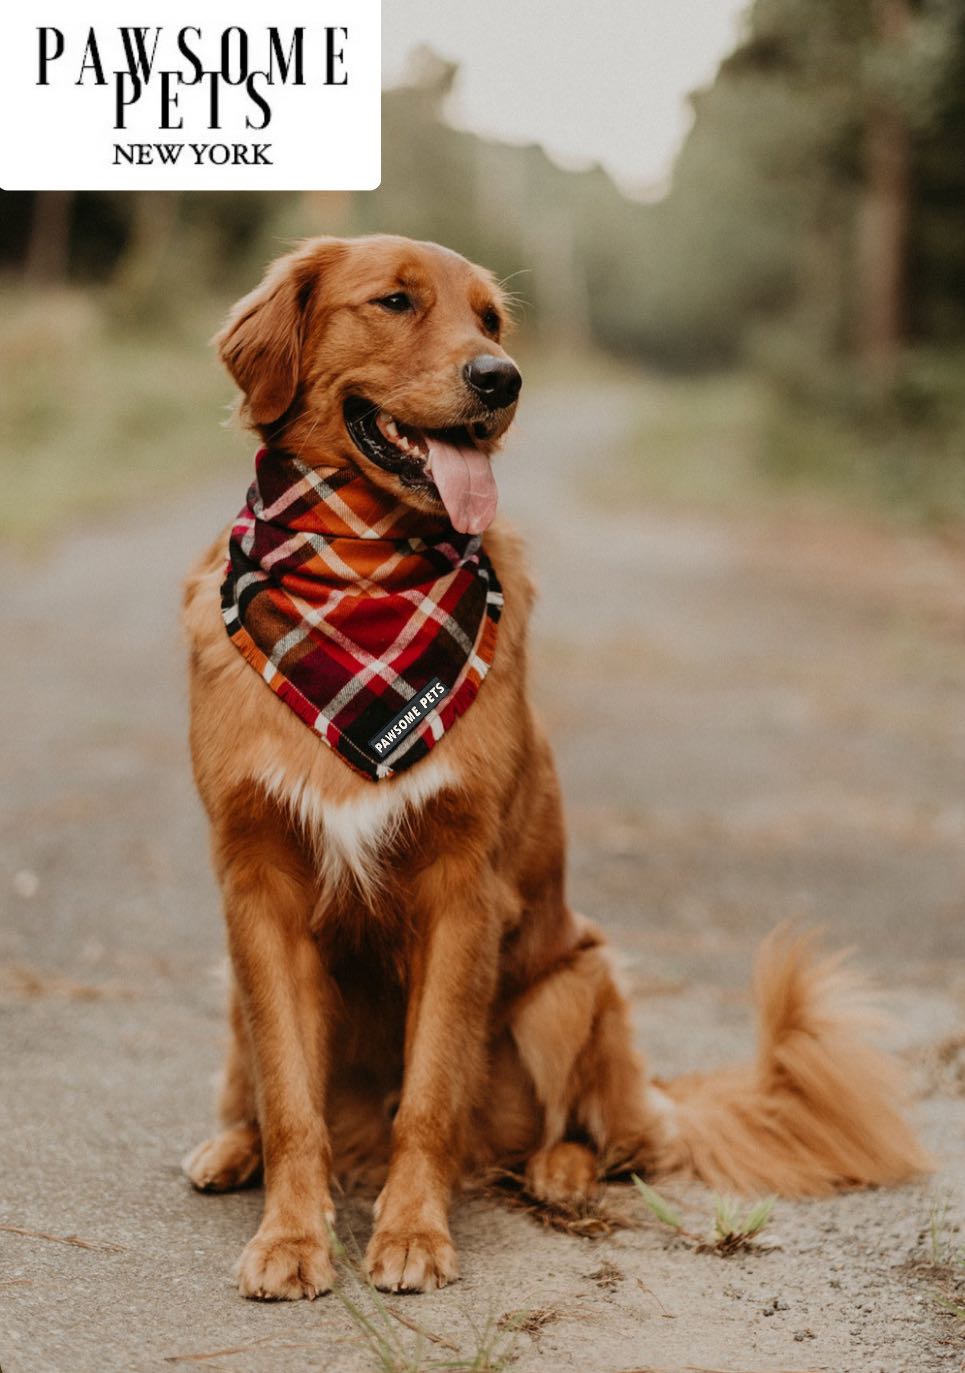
<point x="385" y="353"/>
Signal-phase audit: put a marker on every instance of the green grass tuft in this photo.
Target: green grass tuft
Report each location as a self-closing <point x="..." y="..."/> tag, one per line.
<point x="663" y="1211"/>
<point x="946" y="1257"/>
<point x="731" y="1230"/>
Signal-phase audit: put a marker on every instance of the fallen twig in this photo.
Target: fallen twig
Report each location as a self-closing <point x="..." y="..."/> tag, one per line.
<point x="235" y="1349"/>
<point x="530" y="1322"/>
<point x="651" y="1293"/>
<point x="418" y="1329"/>
<point x="699" y="1368"/>
<point x="19" y="982"/>
<point x="75" y="1240"/>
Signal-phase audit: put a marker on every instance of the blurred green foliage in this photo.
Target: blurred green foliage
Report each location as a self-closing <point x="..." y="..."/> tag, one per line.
<point x="729" y="442"/>
<point x="97" y="409"/>
<point x="761" y="225"/>
<point x="811" y="240"/>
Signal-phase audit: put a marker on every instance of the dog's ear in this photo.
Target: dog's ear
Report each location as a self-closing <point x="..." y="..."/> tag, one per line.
<point x="261" y="343"/>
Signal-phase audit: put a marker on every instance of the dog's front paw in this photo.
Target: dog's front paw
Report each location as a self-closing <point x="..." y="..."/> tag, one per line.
<point x="275" y="1266"/>
<point x="416" y="1261"/>
<point x="230" y="1160"/>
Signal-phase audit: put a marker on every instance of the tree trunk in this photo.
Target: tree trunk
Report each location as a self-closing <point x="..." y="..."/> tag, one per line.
<point x="48" y="250"/>
<point x="885" y="213"/>
<point x="154" y="217"/>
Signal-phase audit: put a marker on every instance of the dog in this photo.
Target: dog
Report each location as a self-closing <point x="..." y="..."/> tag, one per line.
<point x="412" y="998"/>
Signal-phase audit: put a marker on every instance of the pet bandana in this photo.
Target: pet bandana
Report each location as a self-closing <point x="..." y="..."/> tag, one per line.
<point x="375" y="623"/>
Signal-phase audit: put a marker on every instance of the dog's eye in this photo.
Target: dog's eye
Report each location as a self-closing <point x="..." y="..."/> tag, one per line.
<point x="491" y="322"/>
<point x="397" y="303"/>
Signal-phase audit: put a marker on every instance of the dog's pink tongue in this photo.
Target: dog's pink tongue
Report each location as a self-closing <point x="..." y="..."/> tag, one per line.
<point x="466" y="484"/>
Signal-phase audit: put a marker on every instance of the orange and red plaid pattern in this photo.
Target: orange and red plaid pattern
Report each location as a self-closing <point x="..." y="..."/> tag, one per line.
<point x="375" y="623"/>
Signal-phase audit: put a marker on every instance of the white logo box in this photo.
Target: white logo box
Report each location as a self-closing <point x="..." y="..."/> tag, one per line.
<point x="322" y="135"/>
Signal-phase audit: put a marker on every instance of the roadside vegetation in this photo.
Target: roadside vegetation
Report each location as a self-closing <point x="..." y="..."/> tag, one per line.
<point x="790" y="308"/>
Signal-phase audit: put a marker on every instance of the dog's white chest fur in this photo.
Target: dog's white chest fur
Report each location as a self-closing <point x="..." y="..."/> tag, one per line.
<point x="349" y="836"/>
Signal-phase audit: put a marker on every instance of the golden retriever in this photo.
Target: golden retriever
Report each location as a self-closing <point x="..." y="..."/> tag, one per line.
<point x="412" y="997"/>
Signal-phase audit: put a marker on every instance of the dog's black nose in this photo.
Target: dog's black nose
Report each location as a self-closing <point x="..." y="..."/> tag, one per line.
<point x="496" y="381"/>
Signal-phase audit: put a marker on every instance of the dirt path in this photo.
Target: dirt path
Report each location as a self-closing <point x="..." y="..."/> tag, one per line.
<point x="744" y="735"/>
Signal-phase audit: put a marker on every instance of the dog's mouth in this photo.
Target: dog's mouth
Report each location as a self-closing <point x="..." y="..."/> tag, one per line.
<point x="445" y="465"/>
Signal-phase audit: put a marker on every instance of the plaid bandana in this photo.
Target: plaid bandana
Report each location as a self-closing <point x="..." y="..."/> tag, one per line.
<point x="376" y="624"/>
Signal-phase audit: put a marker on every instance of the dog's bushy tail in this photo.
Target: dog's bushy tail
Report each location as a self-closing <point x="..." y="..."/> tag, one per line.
<point x="819" y="1110"/>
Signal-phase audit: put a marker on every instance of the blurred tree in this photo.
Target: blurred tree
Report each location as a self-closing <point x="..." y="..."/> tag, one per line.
<point x="818" y="183"/>
<point x="153" y="221"/>
<point x="48" y="246"/>
<point x="937" y="240"/>
<point x="886" y="209"/>
<point x="814" y="215"/>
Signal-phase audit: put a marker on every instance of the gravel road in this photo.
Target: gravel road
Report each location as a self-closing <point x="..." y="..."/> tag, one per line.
<point x="754" y="721"/>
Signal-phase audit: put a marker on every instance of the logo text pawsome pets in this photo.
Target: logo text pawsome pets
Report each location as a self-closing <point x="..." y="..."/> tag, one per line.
<point x="195" y="104"/>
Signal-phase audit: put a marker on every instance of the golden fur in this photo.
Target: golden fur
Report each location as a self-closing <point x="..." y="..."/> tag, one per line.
<point x="412" y="997"/>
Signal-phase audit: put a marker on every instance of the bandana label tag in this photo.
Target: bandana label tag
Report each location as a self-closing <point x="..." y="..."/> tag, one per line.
<point x="388" y="739"/>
